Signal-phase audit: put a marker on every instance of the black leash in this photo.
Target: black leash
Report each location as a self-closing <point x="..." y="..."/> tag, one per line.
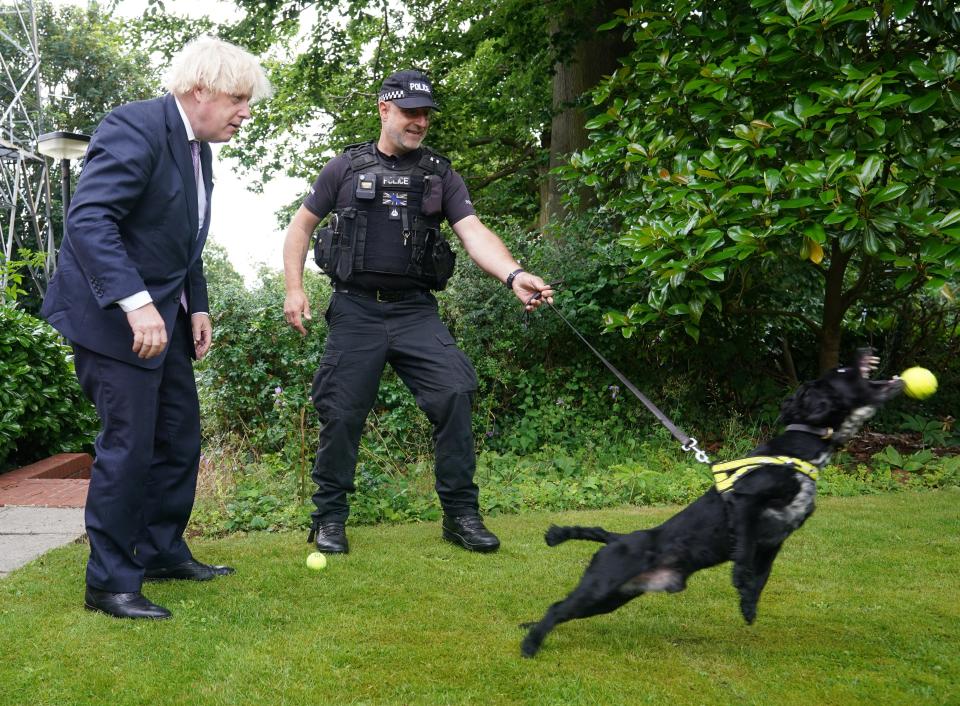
<point x="687" y="443"/>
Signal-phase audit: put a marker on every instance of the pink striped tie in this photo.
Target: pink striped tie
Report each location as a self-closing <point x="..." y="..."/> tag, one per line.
<point x="195" y="155"/>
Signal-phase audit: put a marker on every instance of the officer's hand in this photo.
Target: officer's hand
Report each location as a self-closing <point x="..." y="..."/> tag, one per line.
<point x="149" y="332"/>
<point x="202" y="334"/>
<point x="294" y="306"/>
<point x="526" y="285"/>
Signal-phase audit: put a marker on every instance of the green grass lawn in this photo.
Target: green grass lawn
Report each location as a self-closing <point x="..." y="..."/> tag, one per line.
<point x="863" y="607"/>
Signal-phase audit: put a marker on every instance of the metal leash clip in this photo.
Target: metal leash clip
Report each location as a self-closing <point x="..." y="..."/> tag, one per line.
<point x="699" y="453"/>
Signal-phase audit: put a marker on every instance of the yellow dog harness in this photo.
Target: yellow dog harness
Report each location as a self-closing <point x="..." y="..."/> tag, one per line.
<point x="729" y="472"/>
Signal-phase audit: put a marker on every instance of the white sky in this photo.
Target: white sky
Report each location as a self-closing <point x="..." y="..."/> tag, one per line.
<point x="241" y="221"/>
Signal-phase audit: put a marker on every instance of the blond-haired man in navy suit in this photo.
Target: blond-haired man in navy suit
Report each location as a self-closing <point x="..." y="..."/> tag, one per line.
<point x="130" y="296"/>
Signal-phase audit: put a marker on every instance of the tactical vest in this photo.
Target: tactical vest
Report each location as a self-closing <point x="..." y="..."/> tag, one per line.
<point x="392" y="225"/>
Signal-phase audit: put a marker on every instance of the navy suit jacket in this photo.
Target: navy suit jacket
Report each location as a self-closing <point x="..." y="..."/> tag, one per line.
<point x="132" y="226"/>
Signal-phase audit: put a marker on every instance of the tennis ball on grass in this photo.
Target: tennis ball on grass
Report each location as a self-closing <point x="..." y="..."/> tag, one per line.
<point x="920" y="383"/>
<point x="316" y="561"/>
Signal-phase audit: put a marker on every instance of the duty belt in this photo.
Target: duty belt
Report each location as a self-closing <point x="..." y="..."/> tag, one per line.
<point x="380" y="295"/>
<point x="729" y="472"/>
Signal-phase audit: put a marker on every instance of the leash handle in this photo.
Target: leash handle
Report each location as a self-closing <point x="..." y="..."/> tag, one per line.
<point x="687" y="443"/>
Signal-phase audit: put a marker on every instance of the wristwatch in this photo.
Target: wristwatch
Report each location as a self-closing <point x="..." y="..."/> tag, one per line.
<point x="511" y="277"/>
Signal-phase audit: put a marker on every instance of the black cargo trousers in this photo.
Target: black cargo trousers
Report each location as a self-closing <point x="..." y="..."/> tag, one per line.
<point x="363" y="336"/>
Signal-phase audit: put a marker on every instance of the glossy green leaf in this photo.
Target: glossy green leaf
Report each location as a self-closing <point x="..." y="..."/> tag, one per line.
<point x="797" y="203"/>
<point x="868" y="85"/>
<point x="923" y="72"/>
<point x="924" y="102"/>
<point x="771" y="179"/>
<point x="888" y="193"/>
<point x="714" y="274"/>
<point x="869" y="169"/>
<point x="949" y="219"/>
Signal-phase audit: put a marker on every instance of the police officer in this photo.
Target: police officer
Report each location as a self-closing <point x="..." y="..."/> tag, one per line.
<point x="383" y="250"/>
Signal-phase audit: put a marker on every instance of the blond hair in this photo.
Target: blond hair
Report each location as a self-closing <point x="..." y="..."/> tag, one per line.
<point x="212" y="63"/>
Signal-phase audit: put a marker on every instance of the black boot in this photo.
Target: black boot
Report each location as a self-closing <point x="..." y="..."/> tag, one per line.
<point x="330" y="538"/>
<point x="468" y="531"/>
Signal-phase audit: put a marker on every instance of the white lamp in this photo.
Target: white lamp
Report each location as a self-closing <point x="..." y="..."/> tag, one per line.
<point x="63" y="146"/>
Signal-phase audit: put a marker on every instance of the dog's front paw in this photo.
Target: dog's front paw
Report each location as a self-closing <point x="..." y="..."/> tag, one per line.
<point x="749" y="611"/>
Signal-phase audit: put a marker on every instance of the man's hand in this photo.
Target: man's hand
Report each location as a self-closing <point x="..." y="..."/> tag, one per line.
<point x="294" y="306"/>
<point x="202" y="334"/>
<point x="526" y="285"/>
<point x="149" y="332"/>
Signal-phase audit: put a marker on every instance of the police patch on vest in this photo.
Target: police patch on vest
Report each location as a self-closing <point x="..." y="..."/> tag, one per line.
<point x="392" y="180"/>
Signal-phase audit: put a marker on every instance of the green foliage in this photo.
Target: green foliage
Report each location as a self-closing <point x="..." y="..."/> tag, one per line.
<point x="42" y="409"/>
<point x="88" y="66"/>
<point x="11" y="274"/>
<point x="770" y="159"/>
<point x="258" y="371"/>
<point x="491" y="64"/>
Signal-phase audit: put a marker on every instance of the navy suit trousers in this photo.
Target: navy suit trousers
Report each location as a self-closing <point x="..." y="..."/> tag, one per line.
<point x="363" y="336"/>
<point x="144" y="478"/>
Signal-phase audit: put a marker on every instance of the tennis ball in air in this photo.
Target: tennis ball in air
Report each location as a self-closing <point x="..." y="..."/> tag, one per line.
<point x="920" y="383"/>
<point x="316" y="561"/>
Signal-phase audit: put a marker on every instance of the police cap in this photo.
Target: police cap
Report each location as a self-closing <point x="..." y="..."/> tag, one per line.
<point x="408" y="89"/>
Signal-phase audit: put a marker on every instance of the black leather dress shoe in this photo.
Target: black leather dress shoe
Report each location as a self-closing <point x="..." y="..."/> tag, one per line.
<point x="468" y="531"/>
<point x="331" y="538"/>
<point x="123" y="605"/>
<point x="190" y="570"/>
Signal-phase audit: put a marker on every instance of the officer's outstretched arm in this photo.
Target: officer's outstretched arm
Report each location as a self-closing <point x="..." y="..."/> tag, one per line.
<point x="487" y="250"/>
<point x="295" y="247"/>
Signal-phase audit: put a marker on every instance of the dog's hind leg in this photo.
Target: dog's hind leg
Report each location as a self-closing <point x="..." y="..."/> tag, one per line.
<point x="617" y="574"/>
<point x="581" y="603"/>
<point x="556" y="535"/>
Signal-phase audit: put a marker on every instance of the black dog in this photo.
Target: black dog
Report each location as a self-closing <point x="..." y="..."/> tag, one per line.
<point x="756" y="504"/>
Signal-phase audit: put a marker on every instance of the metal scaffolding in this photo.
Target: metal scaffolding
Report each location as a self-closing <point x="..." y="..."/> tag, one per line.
<point x="24" y="176"/>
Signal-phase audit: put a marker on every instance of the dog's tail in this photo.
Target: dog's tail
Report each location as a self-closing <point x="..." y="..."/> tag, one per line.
<point x="556" y="535"/>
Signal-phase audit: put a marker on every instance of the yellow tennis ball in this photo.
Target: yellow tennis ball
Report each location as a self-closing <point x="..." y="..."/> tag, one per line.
<point x="920" y="383"/>
<point x="316" y="561"/>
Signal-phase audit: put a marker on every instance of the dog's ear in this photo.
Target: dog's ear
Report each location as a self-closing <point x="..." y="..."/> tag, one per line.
<point x="810" y="404"/>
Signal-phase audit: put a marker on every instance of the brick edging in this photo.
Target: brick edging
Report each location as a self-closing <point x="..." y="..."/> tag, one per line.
<point x="68" y="465"/>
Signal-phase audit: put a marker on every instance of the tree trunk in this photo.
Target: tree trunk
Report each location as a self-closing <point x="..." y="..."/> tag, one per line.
<point x="591" y="59"/>
<point x="834" y="308"/>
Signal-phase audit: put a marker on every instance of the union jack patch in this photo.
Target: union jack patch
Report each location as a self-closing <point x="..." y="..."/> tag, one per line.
<point x="394" y="198"/>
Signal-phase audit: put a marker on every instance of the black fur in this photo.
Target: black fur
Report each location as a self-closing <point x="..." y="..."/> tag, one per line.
<point x="748" y="526"/>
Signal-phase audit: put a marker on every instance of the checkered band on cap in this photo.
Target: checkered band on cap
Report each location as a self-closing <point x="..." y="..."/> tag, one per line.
<point x="408" y="89"/>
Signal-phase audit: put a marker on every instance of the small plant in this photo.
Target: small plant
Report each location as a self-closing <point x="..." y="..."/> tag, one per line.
<point x="933" y="432"/>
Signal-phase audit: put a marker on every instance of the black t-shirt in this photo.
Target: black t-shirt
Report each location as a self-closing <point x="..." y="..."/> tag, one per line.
<point x="333" y="190"/>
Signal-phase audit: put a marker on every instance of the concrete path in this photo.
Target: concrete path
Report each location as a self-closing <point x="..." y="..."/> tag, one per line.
<point x="28" y="532"/>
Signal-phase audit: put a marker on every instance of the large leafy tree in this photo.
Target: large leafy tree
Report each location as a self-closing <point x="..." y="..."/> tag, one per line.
<point x="87" y="67"/>
<point x="493" y="64"/>
<point x="795" y="163"/>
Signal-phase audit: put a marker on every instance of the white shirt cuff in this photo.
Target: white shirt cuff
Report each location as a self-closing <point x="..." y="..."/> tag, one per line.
<point x="135" y="301"/>
<point x="200" y="312"/>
